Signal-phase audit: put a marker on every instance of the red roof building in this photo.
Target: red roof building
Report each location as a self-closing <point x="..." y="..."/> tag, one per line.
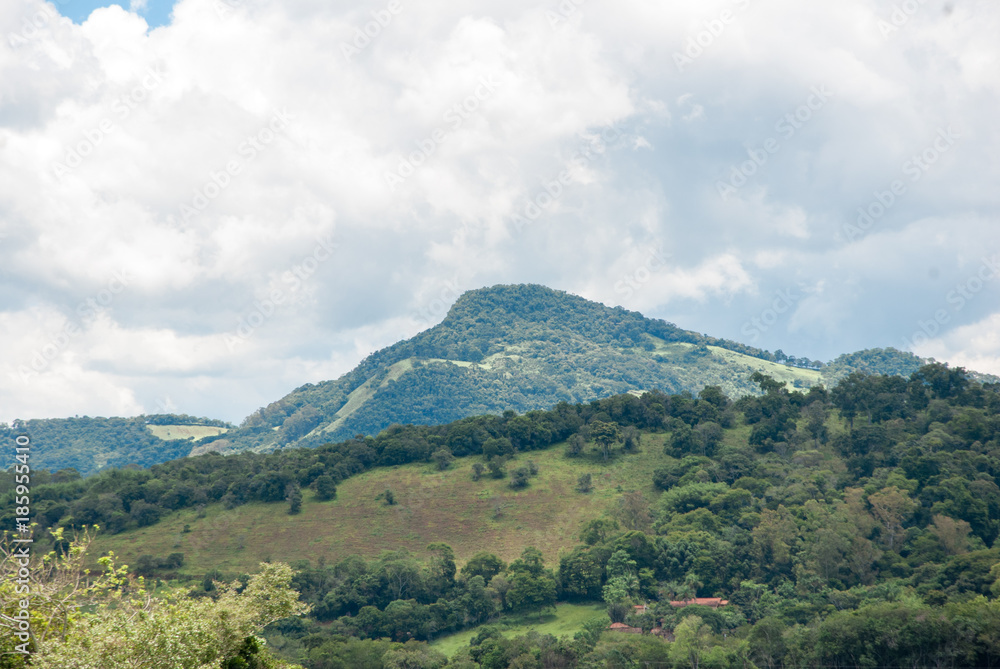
<point x="622" y="627"/>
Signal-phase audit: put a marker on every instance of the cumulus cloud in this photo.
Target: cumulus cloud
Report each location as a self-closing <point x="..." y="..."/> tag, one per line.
<point x="258" y="194"/>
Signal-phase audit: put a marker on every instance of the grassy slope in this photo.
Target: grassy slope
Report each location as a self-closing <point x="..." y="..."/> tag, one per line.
<point x="564" y="621"/>
<point x="776" y="370"/>
<point x="363" y="393"/>
<point x="167" y="432"/>
<point x="432" y="506"/>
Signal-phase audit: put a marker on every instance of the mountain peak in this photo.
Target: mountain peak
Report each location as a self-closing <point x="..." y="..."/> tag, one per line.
<point x="522" y="299"/>
<point x="511" y="313"/>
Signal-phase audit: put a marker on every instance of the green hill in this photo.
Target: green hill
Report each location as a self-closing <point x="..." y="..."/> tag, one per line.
<point x="520" y="348"/>
<point x="524" y="347"/>
<point x="88" y="444"/>
<point x="840" y="521"/>
<point x="430" y="505"/>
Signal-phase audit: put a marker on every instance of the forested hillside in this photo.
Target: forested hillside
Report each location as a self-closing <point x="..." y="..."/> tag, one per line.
<point x="519" y="348"/>
<point x="89" y="444"/>
<point x="846" y="528"/>
<point x="524" y="348"/>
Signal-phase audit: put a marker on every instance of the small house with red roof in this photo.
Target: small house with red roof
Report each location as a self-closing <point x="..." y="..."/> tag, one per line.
<point x="622" y="627"/>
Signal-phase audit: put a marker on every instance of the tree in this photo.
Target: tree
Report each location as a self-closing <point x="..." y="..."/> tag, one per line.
<point x="816" y="423"/>
<point x="767" y="642"/>
<point x="125" y="627"/>
<point x="442" y="568"/>
<point x="499" y="587"/>
<point x="584" y="483"/>
<point x="519" y="478"/>
<point x="413" y="655"/>
<point x="773" y="536"/>
<point x="574" y="447"/>
<point x="623" y="581"/>
<point x="495" y="447"/>
<point x="598" y="530"/>
<point x="399" y="573"/>
<point x="389" y="497"/>
<point x="631" y="439"/>
<point x="294" y="499"/>
<point x="477" y="470"/>
<point x="768" y="385"/>
<point x="476" y="602"/>
<point x="484" y="564"/>
<point x="496" y="468"/>
<point x="531" y="585"/>
<point x="944" y="382"/>
<point x="953" y="534"/>
<point x="605" y="434"/>
<point x="684" y="441"/>
<point x="853" y="394"/>
<point x="691" y="641"/>
<point x="710" y="435"/>
<point x="633" y="511"/>
<point x="891" y="506"/>
<point x="580" y="574"/>
<point x="442" y="457"/>
<point x="326" y="487"/>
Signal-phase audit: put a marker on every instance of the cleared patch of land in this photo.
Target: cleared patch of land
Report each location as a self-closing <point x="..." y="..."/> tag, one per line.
<point x="168" y="432"/>
<point x="363" y="393"/>
<point x="776" y="370"/>
<point x="431" y="506"/>
<point x="566" y="620"/>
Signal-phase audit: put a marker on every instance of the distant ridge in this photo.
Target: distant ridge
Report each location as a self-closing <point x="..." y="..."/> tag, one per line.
<point x="523" y="347"/>
<point x="506" y="347"/>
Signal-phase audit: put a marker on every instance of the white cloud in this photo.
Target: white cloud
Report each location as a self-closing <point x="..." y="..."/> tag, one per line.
<point x="975" y="346"/>
<point x="151" y="155"/>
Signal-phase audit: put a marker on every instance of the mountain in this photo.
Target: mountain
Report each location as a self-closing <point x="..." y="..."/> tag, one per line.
<point x="89" y="444"/>
<point x="522" y="348"/>
<point x="506" y="347"/>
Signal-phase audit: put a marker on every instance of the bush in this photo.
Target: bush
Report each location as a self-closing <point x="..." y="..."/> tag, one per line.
<point x="326" y="487"/>
<point x="442" y="457"/>
<point x="519" y="478"/>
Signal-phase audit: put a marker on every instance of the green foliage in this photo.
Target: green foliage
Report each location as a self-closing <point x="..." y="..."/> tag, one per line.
<point x="485" y="565"/>
<point x="622" y="579"/>
<point x="88" y="445"/>
<point x="124" y="626"/>
<point x="605" y="434"/>
<point x="831" y="542"/>
<point x="294" y="499"/>
<point x="442" y="458"/>
<point x="549" y="346"/>
<point x="326" y="487"/>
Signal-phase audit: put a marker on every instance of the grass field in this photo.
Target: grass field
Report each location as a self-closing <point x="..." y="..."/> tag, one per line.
<point x="431" y="506"/>
<point x="166" y="432"/>
<point x="776" y="370"/>
<point x="565" y="621"/>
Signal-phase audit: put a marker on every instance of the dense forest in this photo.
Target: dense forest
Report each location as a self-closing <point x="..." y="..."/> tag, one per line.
<point x="519" y="348"/>
<point x="87" y="444"/>
<point x="854" y="527"/>
<point x="523" y="348"/>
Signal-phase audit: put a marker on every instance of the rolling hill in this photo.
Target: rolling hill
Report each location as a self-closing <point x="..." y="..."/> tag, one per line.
<point x="507" y="347"/>
<point x="524" y="347"/>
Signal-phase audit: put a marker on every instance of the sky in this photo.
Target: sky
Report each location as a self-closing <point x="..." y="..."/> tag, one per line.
<point x="204" y="206"/>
